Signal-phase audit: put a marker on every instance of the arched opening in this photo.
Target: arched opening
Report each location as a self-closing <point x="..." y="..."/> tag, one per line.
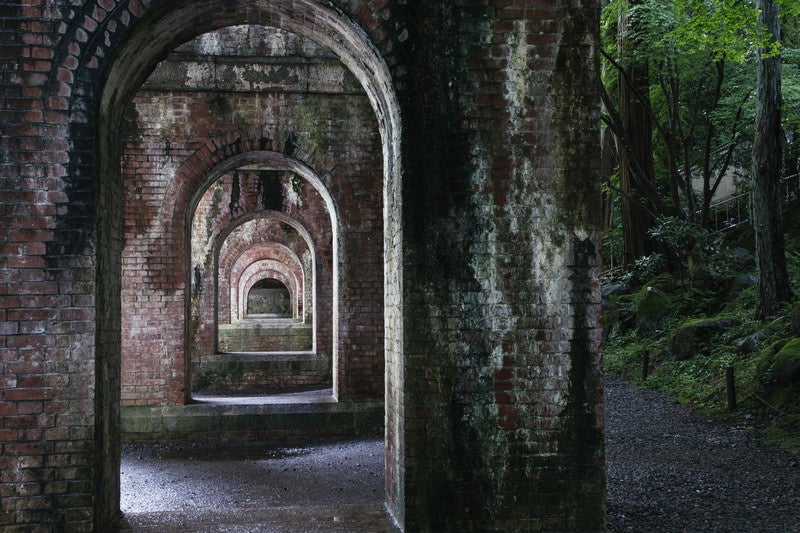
<point x="253" y="211"/>
<point x="137" y="58"/>
<point x="260" y="271"/>
<point x="268" y="298"/>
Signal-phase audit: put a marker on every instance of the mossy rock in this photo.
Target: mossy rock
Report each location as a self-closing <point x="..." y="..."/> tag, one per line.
<point x="651" y="307"/>
<point x="693" y="336"/>
<point x="780" y="364"/>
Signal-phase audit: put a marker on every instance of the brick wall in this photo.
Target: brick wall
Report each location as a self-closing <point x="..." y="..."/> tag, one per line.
<point x="479" y="206"/>
<point x="285" y="250"/>
<point x="271" y="336"/>
<point x="259" y="374"/>
<point x="331" y="129"/>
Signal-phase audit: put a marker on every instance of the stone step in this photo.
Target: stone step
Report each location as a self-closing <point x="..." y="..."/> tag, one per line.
<point x="266" y="336"/>
<point x="244" y="420"/>
<point x="256" y="373"/>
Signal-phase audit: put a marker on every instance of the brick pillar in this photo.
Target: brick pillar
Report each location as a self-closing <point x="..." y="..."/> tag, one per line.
<point x="502" y="384"/>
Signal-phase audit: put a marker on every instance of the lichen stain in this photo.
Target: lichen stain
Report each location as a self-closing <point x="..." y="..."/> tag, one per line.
<point x="292" y="191"/>
<point x="517" y="83"/>
<point x="198" y="74"/>
<point x="576" y="97"/>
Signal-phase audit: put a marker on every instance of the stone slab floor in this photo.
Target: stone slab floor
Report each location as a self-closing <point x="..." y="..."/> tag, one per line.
<point x="325" y="485"/>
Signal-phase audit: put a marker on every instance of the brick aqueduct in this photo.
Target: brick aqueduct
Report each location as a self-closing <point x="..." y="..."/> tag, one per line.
<point x="397" y="199"/>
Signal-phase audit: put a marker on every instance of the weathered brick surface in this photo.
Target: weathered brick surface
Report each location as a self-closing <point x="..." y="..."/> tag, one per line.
<point x="284" y="369"/>
<point x="507" y="291"/>
<point x="484" y="195"/>
<point x="332" y="129"/>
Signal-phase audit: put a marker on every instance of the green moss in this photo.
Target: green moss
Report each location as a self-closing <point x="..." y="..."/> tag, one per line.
<point x="780" y="364"/>
<point x="624" y="355"/>
<point x="786" y="438"/>
<point x="653" y="304"/>
<point x="307" y="122"/>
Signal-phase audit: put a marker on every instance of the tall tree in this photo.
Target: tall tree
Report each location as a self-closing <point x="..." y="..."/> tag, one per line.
<point x="635" y="157"/>
<point x="678" y="112"/>
<point x="773" y="285"/>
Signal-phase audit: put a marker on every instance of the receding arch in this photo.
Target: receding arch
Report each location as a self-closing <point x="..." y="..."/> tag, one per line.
<point x="291" y="274"/>
<point x="224" y="262"/>
<point x="126" y="59"/>
<point x="279" y="306"/>
<point x="244" y="272"/>
<point x="273" y="280"/>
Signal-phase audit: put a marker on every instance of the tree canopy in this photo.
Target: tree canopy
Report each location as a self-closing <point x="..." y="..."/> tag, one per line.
<point x="688" y="69"/>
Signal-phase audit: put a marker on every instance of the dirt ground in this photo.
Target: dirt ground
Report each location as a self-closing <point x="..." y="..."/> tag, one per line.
<point x="325" y="485"/>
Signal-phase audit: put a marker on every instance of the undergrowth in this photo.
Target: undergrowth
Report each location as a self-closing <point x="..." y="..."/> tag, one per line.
<point x="718" y="325"/>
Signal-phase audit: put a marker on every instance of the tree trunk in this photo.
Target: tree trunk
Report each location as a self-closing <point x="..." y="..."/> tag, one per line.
<point x="634" y="85"/>
<point x="773" y="284"/>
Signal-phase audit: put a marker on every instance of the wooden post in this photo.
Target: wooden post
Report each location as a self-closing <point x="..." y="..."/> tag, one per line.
<point x="730" y="387"/>
<point x="645" y="365"/>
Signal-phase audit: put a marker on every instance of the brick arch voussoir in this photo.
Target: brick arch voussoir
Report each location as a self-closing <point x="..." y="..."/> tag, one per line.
<point x="85" y="50"/>
<point x="262" y="270"/>
<point x="247" y="284"/>
<point x="288" y="265"/>
<point x="195" y="172"/>
<point x="97" y="29"/>
<point x="365" y="35"/>
<point x="302" y="241"/>
<point x="229" y="250"/>
<point x="250" y="251"/>
<point x="264" y="251"/>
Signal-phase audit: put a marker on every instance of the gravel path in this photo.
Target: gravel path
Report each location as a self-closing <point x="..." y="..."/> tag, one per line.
<point x="670" y="469"/>
<point x="333" y="485"/>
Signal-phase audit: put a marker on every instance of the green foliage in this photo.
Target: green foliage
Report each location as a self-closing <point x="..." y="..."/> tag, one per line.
<point x="697" y="54"/>
<point x="780" y="364"/>
<point x="693" y="249"/>
<point x="698" y="381"/>
<point x="645" y="268"/>
<point x="790" y="89"/>
<point x="624" y="353"/>
<point x="720" y="28"/>
<point x="681" y="236"/>
<point x="787" y="438"/>
<point x="789" y="8"/>
<point x="761" y="354"/>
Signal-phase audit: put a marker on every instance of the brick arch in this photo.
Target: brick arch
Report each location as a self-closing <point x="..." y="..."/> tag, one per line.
<point x="265" y="270"/>
<point x="318" y="280"/>
<point x="210" y="307"/>
<point x="171" y="23"/>
<point x="213" y="305"/>
<point x="284" y="260"/>
<point x="500" y="101"/>
<point x="220" y="155"/>
<point x="205" y="166"/>
<point x="107" y="53"/>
